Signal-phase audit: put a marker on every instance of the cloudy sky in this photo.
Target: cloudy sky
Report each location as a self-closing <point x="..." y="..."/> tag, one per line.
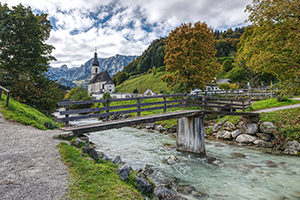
<point x="125" y="27"/>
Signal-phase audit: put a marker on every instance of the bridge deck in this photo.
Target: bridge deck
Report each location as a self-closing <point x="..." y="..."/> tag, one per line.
<point x="80" y="129"/>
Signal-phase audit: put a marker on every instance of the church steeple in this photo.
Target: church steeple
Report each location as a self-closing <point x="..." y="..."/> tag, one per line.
<point x="95" y="65"/>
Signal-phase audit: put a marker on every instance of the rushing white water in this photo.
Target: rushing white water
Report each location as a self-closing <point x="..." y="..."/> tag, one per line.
<point x="258" y="175"/>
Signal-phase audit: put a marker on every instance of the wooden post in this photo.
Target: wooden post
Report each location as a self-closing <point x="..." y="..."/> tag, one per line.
<point x="190" y="135"/>
<point x="67" y="122"/>
<point x="203" y="103"/>
<point x="243" y="105"/>
<point x="165" y="104"/>
<point x="226" y="94"/>
<point x="231" y="105"/>
<point x="219" y="105"/>
<point x="184" y="97"/>
<point x="107" y="109"/>
<point x="7" y="98"/>
<point x="139" y="107"/>
<point x="0" y="93"/>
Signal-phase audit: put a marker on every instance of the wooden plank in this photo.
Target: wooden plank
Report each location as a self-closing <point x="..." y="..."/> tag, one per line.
<point x="128" y="122"/>
<point x="87" y="110"/>
<point x="3" y="88"/>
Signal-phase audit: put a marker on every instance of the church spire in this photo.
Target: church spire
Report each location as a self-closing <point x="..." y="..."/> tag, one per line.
<point x="95" y="61"/>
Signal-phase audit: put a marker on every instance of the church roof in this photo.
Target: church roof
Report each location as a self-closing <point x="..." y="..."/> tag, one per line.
<point x="101" y="77"/>
<point x="109" y="82"/>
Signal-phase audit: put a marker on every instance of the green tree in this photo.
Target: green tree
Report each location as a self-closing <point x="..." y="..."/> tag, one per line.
<point x="190" y="57"/>
<point x="274" y="45"/>
<point x="119" y="78"/>
<point x="79" y="94"/>
<point x="227" y="65"/>
<point x="24" y="57"/>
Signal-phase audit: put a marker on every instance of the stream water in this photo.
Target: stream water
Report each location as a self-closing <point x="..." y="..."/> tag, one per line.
<point x="261" y="174"/>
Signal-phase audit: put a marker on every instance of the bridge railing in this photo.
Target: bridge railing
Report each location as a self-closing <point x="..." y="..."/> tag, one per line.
<point x="7" y="94"/>
<point x="161" y="102"/>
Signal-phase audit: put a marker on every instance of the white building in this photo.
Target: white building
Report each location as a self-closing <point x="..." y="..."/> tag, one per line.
<point x="101" y="82"/>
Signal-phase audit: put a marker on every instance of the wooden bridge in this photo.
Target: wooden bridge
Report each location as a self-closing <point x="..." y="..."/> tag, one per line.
<point x="189" y="109"/>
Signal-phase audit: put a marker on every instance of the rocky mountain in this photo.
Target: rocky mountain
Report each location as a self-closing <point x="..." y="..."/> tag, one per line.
<point x="112" y="65"/>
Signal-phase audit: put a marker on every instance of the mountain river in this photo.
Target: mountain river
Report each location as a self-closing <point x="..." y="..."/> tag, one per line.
<point x="240" y="172"/>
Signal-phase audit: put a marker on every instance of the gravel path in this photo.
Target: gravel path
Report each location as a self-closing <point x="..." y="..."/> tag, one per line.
<point x="30" y="165"/>
<point x="277" y="108"/>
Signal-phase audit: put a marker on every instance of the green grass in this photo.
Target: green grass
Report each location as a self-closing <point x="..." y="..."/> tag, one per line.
<point x="271" y="103"/>
<point x="142" y="83"/>
<point x="25" y="114"/>
<point x="90" y="180"/>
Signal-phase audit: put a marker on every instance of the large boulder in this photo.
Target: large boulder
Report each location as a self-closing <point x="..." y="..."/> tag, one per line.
<point x="245" y="138"/>
<point x="144" y="185"/>
<point x="250" y="129"/>
<point x="228" y="126"/>
<point x="91" y="152"/>
<point x="264" y="144"/>
<point x="225" y="135"/>
<point x="217" y="127"/>
<point x="163" y="193"/>
<point x="65" y="135"/>
<point x="264" y="136"/>
<point x="150" y="126"/>
<point x="236" y="133"/>
<point x="249" y="120"/>
<point x="160" y="128"/>
<point x="267" y="127"/>
<point x="123" y="171"/>
<point x="117" y="160"/>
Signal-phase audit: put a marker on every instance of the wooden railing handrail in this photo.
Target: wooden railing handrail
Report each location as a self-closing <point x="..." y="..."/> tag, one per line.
<point x="7" y="94"/>
<point x="198" y="101"/>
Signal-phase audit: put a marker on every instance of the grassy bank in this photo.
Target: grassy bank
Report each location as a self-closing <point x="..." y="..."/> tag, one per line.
<point x="25" y="114"/>
<point x="89" y="180"/>
<point x="142" y="83"/>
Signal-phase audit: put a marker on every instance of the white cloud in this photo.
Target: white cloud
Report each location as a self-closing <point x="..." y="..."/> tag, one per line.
<point x="129" y="25"/>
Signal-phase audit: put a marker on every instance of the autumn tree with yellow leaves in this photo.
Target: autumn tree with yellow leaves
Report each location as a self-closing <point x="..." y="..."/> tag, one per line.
<point x="190" y="57"/>
<point x="273" y="45"/>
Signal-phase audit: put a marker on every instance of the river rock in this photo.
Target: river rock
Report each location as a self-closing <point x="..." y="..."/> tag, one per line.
<point x="78" y="142"/>
<point x="65" y="135"/>
<point x="245" y="138"/>
<point x="163" y="193"/>
<point x="147" y="170"/>
<point x="173" y="129"/>
<point x="91" y="152"/>
<point x="185" y="189"/>
<point x="264" y="144"/>
<point x="84" y="138"/>
<point x="250" y="129"/>
<point x="101" y="154"/>
<point x="150" y="125"/>
<point x="160" y="128"/>
<point x="123" y="171"/>
<point x="264" y="136"/>
<point x="217" y="127"/>
<point x="228" y="126"/>
<point x="225" y="135"/>
<point x="267" y="127"/>
<point x="117" y="160"/>
<point x="236" y="133"/>
<point x="292" y="148"/>
<point x="144" y="185"/>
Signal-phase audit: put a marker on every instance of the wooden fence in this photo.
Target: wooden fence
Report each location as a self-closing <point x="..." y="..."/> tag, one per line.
<point x="161" y="102"/>
<point x="249" y="93"/>
<point x="7" y="94"/>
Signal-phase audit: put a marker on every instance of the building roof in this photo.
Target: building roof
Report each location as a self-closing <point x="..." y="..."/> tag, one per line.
<point x="226" y="80"/>
<point x="101" y="77"/>
<point x="95" y="61"/>
<point x="109" y="82"/>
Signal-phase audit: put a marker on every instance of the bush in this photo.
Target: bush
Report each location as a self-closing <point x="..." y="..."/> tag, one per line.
<point x="79" y="94"/>
<point x="135" y="91"/>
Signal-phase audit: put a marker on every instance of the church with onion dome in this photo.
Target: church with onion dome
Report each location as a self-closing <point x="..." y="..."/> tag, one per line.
<point x="101" y="81"/>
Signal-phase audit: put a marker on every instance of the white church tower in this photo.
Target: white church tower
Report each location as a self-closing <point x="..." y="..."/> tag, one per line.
<point x="95" y="65"/>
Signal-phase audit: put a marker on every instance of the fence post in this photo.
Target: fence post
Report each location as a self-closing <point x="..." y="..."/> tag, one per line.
<point x="203" y="103"/>
<point x="7" y="98"/>
<point x="231" y="105"/>
<point x="139" y="107"/>
<point x="184" y="97"/>
<point x="0" y="93"/>
<point x="107" y="109"/>
<point x="165" y="104"/>
<point x="243" y="105"/>
<point x="67" y="115"/>
<point x="219" y="105"/>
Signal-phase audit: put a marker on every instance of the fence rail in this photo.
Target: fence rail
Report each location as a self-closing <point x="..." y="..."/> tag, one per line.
<point x="7" y="94"/>
<point x="254" y="92"/>
<point x="163" y="102"/>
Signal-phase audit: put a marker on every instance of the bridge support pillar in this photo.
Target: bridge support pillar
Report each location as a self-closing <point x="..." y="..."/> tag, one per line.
<point x="190" y="135"/>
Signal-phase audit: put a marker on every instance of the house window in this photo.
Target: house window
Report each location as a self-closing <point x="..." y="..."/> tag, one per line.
<point x="96" y="70"/>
